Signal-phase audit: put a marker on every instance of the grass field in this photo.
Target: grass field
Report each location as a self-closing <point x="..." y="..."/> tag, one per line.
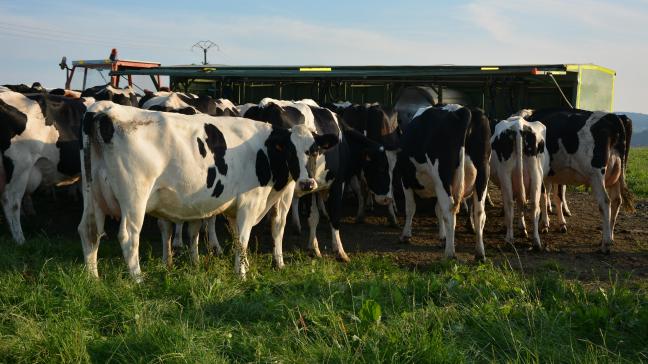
<point x="637" y="174"/>
<point x="370" y="310"/>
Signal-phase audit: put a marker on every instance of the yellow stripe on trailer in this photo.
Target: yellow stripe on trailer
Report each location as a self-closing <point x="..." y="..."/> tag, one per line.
<point x="314" y="69"/>
<point x="490" y="68"/>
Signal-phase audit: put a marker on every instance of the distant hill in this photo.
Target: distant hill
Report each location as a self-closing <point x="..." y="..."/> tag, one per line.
<point x="639" y="128"/>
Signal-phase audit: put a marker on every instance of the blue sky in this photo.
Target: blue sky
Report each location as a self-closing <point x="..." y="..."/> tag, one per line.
<point x="35" y="34"/>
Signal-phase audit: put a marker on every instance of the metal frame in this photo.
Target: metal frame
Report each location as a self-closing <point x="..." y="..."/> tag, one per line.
<point x="113" y="67"/>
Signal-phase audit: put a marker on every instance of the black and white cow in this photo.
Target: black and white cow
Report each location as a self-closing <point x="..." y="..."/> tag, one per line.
<point x="187" y="104"/>
<point x="39" y="145"/>
<point x="446" y="153"/>
<point x="188" y="168"/>
<point x="519" y="165"/>
<point x="35" y="88"/>
<point x="173" y="102"/>
<point x="589" y="148"/>
<point x="123" y="96"/>
<point x="380" y="125"/>
<point x="334" y="168"/>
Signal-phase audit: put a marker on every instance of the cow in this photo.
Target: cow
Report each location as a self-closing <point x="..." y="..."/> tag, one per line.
<point x="39" y="147"/>
<point x="589" y="148"/>
<point x="519" y="165"/>
<point x="380" y="125"/>
<point x="334" y="168"/>
<point x="188" y="168"/>
<point x="446" y="153"/>
<point x="125" y="96"/>
<point x="173" y="102"/>
<point x="35" y="88"/>
<point x="188" y="104"/>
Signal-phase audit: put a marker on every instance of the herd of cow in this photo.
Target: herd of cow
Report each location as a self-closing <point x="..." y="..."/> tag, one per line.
<point x="186" y="158"/>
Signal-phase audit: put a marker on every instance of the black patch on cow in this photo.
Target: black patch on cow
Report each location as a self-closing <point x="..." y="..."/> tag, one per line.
<point x="8" y="167"/>
<point x="201" y="147"/>
<point x="529" y="142"/>
<point x="218" y="190"/>
<point x="263" y="168"/>
<point x="70" y="159"/>
<point x="478" y="148"/>
<point x="603" y="171"/>
<point x="282" y="156"/>
<point x="329" y="175"/>
<point x="541" y="147"/>
<point x="325" y="121"/>
<point x="211" y="176"/>
<point x="106" y="128"/>
<point x="217" y="145"/>
<point x="503" y="144"/>
<point x="12" y="123"/>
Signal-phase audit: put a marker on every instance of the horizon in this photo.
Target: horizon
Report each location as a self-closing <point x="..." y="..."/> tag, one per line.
<point x="36" y="34"/>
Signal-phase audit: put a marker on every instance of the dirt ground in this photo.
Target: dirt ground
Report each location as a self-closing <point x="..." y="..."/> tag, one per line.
<point x="573" y="253"/>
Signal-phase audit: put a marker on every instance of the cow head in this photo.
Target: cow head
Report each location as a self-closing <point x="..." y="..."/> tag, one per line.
<point x="290" y="152"/>
<point x="378" y="168"/>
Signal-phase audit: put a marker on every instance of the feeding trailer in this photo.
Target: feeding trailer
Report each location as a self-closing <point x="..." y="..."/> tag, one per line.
<point x="500" y="90"/>
<point x="110" y="66"/>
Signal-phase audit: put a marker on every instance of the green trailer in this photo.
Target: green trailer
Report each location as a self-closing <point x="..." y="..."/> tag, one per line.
<point x="500" y="90"/>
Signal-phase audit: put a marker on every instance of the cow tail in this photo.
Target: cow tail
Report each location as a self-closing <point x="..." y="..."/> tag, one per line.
<point x="87" y="134"/>
<point x="460" y="178"/>
<point x="518" y="171"/>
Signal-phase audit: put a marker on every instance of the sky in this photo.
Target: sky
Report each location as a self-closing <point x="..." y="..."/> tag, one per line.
<point x="34" y="35"/>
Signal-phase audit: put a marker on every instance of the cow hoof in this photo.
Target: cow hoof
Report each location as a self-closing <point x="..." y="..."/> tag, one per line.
<point x="405" y="239"/>
<point x="563" y="229"/>
<point x="604" y="251"/>
<point x="479" y="258"/>
<point x="544" y="230"/>
<point x="343" y="258"/>
<point x="567" y="213"/>
<point x="451" y="257"/>
<point x="314" y="253"/>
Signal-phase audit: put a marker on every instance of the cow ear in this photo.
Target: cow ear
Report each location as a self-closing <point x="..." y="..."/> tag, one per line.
<point x="326" y="141"/>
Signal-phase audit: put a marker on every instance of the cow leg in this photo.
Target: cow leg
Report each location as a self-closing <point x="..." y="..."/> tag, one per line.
<point x="410" y="210"/>
<point x="28" y="206"/>
<point x="561" y="190"/>
<point x="313" y="220"/>
<point x="294" y="214"/>
<point x="479" y="217"/>
<point x="355" y="186"/>
<point x="177" y="236"/>
<point x="559" y="212"/>
<point x="391" y="211"/>
<point x="212" y="239"/>
<point x="334" y="209"/>
<point x="489" y="201"/>
<point x="194" y="237"/>
<point x="132" y="219"/>
<point x="470" y="210"/>
<point x="247" y="214"/>
<point x="12" y="199"/>
<point x="521" y="208"/>
<point x="549" y="192"/>
<point x="440" y="223"/>
<point x="165" y="227"/>
<point x="322" y="206"/>
<point x="534" y="192"/>
<point x="615" y="203"/>
<point x="603" y="200"/>
<point x="91" y="229"/>
<point x="278" y="225"/>
<point x="449" y="219"/>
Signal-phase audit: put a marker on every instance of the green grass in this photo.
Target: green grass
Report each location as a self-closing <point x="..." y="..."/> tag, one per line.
<point x="637" y="172"/>
<point x="370" y="310"/>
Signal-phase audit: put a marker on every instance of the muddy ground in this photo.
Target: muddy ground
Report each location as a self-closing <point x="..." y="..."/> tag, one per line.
<point x="574" y="252"/>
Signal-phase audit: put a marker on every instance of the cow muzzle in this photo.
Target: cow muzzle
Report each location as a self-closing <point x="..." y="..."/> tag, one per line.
<point x="307" y="185"/>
